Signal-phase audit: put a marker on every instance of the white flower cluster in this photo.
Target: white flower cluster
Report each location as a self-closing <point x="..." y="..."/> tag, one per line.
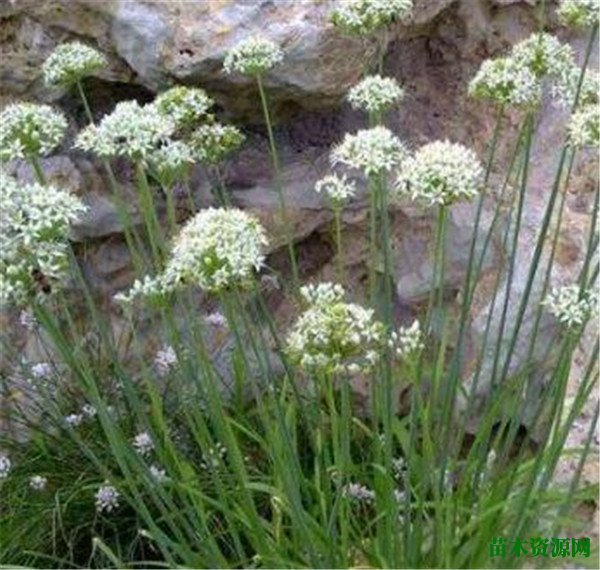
<point x="30" y="130"/>
<point x="407" y="341"/>
<point x="358" y="492"/>
<point x="169" y="163"/>
<point x="564" y="90"/>
<point x="339" y="189"/>
<point x="371" y="150"/>
<point x="143" y="443"/>
<point x="5" y="465"/>
<point x="375" y="94"/>
<point x="148" y="287"/>
<point x="130" y="131"/>
<point x="332" y="336"/>
<point x="572" y="306"/>
<point x="38" y="482"/>
<point x="214" y="457"/>
<point x="363" y="17"/>
<point x="440" y="174"/>
<point x="584" y="126"/>
<point x="71" y="62"/>
<point x="505" y="82"/>
<point x="165" y="360"/>
<point x="107" y="498"/>
<point x="579" y="13"/>
<point x="216" y="320"/>
<point x="253" y="56"/>
<point x="41" y="370"/>
<point x="158" y="474"/>
<point x="212" y="142"/>
<point x="35" y="224"/>
<point x="74" y="420"/>
<point x="183" y="105"/>
<point x="516" y="80"/>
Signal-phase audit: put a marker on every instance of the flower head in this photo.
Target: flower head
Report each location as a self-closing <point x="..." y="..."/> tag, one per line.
<point x="5" y="465"/>
<point x="165" y="360"/>
<point x="333" y="336"/>
<point x="217" y="249"/>
<point x="211" y="143"/>
<point x="544" y="55"/>
<point x="407" y="341"/>
<point x="358" y="492"/>
<point x="584" y="126"/>
<point x="362" y="17"/>
<point x="158" y="474"/>
<point x="30" y="130"/>
<point x="183" y="105"/>
<point x="253" y="56"/>
<point x="579" y="13"/>
<point x="38" y="482"/>
<point x="131" y="131"/>
<point x="170" y="162"/>
<point x="371" y="150"/>
<point x="41" y="370"/>
<point x="506" y="82"/>
<point x="74" y="420"/>
<point x="441" y="173"/>
<point x="143" y="443"/>
<point x="71" y="62"/>
<point x="572" y="306"/>
<point x="375" y="94"/>
<point x="567" y="90"/>
<point x="339" y="189"/>
<point x="35" y="224"/>
<point x="107" y="498"/>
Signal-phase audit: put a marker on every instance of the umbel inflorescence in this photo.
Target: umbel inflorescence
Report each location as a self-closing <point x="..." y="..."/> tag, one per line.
<point x="71" y="62"/>
<point x="183" y="105"/>
<point x="362" y="17"/>
<point x="571" y="305"/>
<point x="253" y="56"/>
<point x="375" y="94"/>
<point x="35" y="224"/>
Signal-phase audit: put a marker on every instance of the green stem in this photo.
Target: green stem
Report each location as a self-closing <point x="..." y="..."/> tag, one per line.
<point x="337" y="215"/>
<point x="278" y="182"/>
<point x="37" y="169"/>
<point x="86" y="105"/>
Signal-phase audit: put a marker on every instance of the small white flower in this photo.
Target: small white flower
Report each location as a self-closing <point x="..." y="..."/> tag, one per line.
<point x="216" y="319"/>
<point x="170" y="163"/>
<point x="440" y="174"/>
<point x="584" y="126"/>
<point x="399" y="467"/>
<point x="89" y="411"/>
<point x="579" y="13"/>
<point x="41" y="370"/>
<point x="572" y="306"/>
<point x="358" y="492"/>
<point x="565" y="88"/>
<point x="375" y="94"/>
<point x="71" y="62"/>
<point x="371" y="150"/>
<point x="165" y="360"/>
<point x="214" y="457"/>
<point x="107" y="498"/>
<point x="29" y="129"/>
<point x="143" y="443"/>
<point x="253" y="56"/>
<point x="38" y="483"/>
<point x="339" y="189"/>
<point x="544" y="55"/>
<point x="363" y="17"/>
<point x="28" y="321"/>
<point x="183" y="105"/>
<point x="407" y="341"/>
<point x="131" y="131"/>
<point x="399" y="496"/>
<point x="74" y="420"/>
<point x="159" y="475"/>
<point x="210" y="144"/>
<point x="5" y="465"/>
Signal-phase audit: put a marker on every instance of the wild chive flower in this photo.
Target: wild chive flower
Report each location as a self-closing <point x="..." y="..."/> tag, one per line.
<point x="89" y="411"/>
<point x="253" y="56"/>
<point x="584" y="126"/>
<point x="543" y="55"/>
<point x="38" y="482"/>
<point x="71" y="62"/>
<point x="107" y="498"/>
<point x="506" y="82"/>
<point x="169" y="163"/>
<point x="579" y="13"/>
<point x="339" y="189"/>
<point x="30" y="130"/>
<point x="131" y="131"/>
<point x="217" y="249"/>
<point x="362" y="17"/>
<point x="375" y="94"/>
<point x="5" y="465"/>
<point x="35" y="223"/>
<point x="212" y="143"/>
<point x="74" y="420"/>
<point x="332" y="336"/>
<point x="216" y="319"/>
<point x="183" y="105"/>
<point x="148" y="287"/>
<point x="159" y="475"/>
<point x="41" y="370"/>
<point x="371" y="150"/>
<point x="358" y="492"/>
<point x="214" y="457"/>
<point x="564" y="89"/>
<point x="441" y="173"/>
<point x="165" y="360"/>
<point x="407" y="341"/>
<point x="571" y="306"/>
<point x="143" y="443"/>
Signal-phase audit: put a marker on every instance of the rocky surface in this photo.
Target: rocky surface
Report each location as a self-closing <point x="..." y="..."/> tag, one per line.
<point x="153" y="44"/>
